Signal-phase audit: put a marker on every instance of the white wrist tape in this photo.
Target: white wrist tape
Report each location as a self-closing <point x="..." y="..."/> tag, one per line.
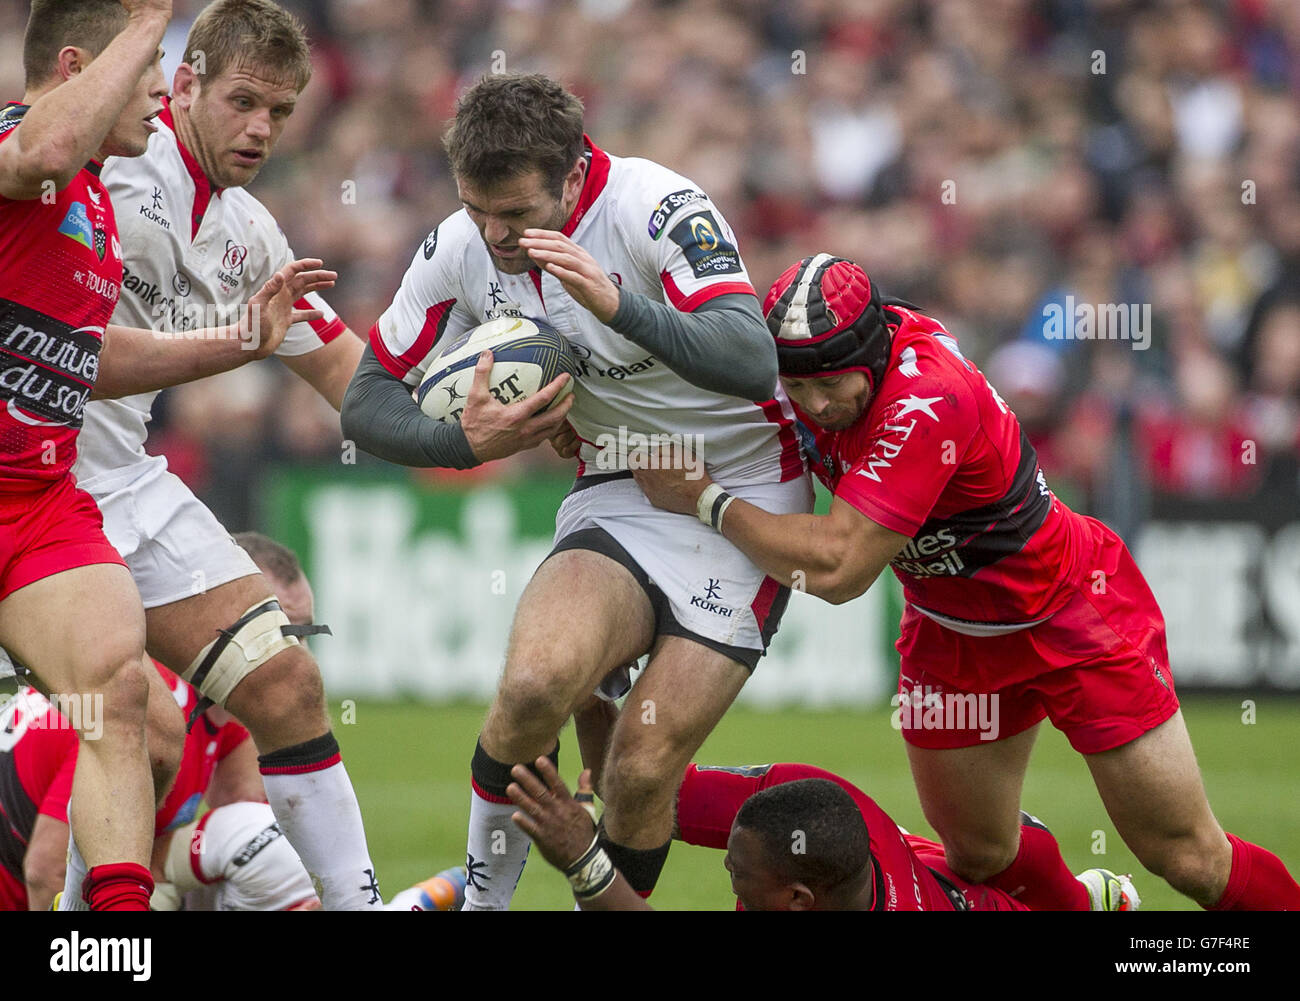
<point x="593" y="873"/>
<point x="712" y="505"/>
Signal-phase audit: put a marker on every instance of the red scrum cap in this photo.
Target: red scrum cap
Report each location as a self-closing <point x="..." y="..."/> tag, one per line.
<point x="827" y="318"/>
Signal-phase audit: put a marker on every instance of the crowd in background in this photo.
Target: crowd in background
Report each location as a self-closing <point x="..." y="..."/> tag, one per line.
<point x="989" y="160"/>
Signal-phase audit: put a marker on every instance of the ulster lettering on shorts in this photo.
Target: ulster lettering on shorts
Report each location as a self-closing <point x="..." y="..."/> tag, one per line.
<point x="938" y="457"/>
<point x="619" y="386"/>
<point x="706" y="245"/>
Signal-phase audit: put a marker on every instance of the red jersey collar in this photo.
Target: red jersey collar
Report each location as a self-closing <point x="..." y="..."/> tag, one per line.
<point x="592" y="186"/>
<point x="204" y="189"/>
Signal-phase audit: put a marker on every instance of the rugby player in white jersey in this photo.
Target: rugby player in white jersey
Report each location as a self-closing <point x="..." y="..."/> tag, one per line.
<point x="194" y="242"/>
<point x="638" y="268"/>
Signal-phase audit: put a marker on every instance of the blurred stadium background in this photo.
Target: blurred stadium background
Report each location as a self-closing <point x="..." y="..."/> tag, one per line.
<point x="985" y="159"/>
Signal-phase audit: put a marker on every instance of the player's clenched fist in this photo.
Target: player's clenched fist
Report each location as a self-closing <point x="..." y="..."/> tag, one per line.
<point x="495" y="430"/>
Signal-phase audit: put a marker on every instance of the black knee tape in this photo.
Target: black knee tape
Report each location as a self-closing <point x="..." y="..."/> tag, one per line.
<point x="640" y="866"/>
<point x="301" y="756"/>
<point x="492" y="776"/>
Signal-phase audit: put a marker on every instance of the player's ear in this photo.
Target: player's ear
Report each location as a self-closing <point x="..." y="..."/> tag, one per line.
<point x="185" y="85"/>
<point x="71" y="61"/>
<point x="801" y="897"/>
<point x="574" y="178"/>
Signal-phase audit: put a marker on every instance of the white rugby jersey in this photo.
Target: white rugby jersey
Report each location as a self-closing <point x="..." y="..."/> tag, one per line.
<point x="655" y="233"/>
<point x="193" y="254"/>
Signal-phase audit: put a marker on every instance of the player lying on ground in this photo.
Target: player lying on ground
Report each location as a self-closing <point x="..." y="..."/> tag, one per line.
<point x="192" y="241"/>
<point x="1012" y="598"/>
<point x="638" y="268"/>
<point x="798" y="838"/>
<point x="93" y="85"/>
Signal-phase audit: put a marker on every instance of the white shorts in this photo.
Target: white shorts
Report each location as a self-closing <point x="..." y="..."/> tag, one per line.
<point x="699" y="584"/>
<point x="173" y="545"/>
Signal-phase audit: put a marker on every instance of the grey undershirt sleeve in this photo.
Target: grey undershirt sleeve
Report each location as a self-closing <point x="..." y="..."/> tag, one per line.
<point x="724" y="346"/>
<point x="380" y="416"/>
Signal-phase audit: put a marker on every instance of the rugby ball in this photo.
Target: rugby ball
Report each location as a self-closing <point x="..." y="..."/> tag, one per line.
<point x="526" y="354"/>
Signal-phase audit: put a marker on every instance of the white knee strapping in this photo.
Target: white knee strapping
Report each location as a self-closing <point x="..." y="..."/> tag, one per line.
<point x="255" y="638"/>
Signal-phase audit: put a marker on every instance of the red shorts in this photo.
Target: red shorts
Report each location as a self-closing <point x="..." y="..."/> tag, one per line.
<point x="1098" y="668"/>
<point x="48" y="531"/>
<point x="979" y="896"/>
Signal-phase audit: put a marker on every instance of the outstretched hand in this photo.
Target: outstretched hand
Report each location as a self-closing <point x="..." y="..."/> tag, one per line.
<point x="559" y="825"/>
<point x="269" y="314"/>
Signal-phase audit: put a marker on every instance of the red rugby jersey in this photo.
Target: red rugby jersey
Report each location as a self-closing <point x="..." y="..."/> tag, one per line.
<point x="205" y="745"/>
<point x="710" y="797"/>
<point x="939" y="457"/>
<point x="60" y="276"/>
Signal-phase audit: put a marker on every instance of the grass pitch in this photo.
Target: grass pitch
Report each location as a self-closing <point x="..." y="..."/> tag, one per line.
<point x="410" y="766"/>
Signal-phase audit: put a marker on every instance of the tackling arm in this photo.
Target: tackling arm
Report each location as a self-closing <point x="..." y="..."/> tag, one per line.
<point x="836" y="556"/>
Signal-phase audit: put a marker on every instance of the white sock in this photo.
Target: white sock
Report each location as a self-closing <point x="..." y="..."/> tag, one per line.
<point x="73" y="879"/>
<point x="494" y="856"/>
<point x="318" y="812"/>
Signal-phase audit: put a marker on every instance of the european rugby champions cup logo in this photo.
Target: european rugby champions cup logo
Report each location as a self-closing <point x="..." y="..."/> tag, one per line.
<point x="703" y="233"/>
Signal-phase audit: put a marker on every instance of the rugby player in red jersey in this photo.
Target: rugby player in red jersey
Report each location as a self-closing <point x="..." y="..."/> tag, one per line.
<point x="93" y="84"/>
<point x="1011" y="596"/>
<point x="798" y="838"/>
